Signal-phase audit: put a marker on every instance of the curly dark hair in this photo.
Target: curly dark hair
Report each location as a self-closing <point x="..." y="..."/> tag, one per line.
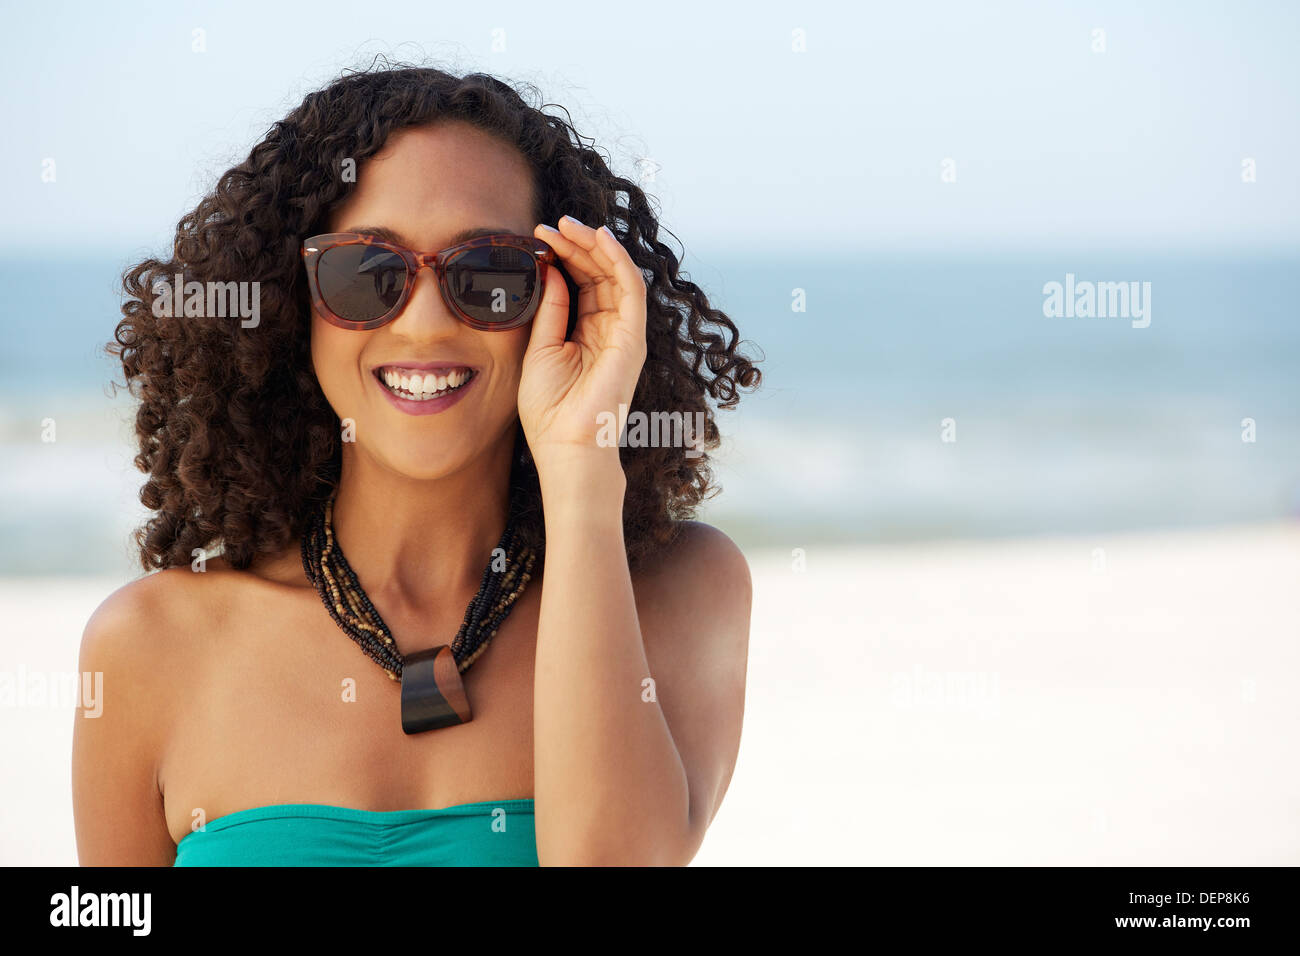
<point x="240" y="454"/>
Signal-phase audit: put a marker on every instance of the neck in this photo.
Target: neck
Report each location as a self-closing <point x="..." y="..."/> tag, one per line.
<point x="412" y="542"/>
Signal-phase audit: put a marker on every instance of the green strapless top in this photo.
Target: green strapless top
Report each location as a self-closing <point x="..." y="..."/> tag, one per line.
<point x="490" y="833"/>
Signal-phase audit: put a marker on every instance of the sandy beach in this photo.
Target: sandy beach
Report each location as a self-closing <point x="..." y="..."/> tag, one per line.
<point x="1122" y="699"/>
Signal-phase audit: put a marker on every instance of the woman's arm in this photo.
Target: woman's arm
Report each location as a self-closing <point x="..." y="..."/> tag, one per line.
<point x="628" y="772"/>
<point x="613" y="782"/>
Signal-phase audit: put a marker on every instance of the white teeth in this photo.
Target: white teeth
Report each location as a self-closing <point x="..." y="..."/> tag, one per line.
<point x="422" y="386"/>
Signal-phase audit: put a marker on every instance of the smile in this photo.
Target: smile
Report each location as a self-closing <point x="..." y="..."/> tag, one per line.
<point x="416" y="386"/>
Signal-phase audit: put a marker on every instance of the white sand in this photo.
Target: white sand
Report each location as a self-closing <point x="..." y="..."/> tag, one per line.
<point x="1015" y="702"/>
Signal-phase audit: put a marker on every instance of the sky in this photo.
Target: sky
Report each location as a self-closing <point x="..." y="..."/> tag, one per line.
<point x="766" y="125"/>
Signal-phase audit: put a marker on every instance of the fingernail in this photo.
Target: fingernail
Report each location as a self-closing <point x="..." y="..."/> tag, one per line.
<point x="574" y="221"/>
<point x="607" y="231"/>
<point x="550" y="228"/>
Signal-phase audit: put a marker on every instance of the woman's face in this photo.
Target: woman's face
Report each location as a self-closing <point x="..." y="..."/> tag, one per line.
<point x="425" y="187"/>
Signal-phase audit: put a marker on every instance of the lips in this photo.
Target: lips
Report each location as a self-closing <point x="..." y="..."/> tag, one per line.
<point x="424" y="388"/>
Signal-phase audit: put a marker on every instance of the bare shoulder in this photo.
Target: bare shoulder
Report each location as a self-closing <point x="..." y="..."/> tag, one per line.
<point x="124" y="627"/>
<point x="142" y="651"/>
<point x="700" y="569"/>
<point x="696" y="592"/>
<point x="144" y="617"/>
<point x="149" y="629"/>
<point x="120" y="728"/>
<point x="140" y="637"/>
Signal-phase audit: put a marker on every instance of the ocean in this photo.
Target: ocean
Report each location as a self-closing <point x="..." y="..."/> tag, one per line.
<point x="906" y="396"/>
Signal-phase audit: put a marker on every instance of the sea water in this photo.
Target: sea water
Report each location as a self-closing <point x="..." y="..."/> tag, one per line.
<point x="905" y="396"/>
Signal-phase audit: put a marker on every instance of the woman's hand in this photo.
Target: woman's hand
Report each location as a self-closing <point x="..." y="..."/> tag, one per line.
<point x="565" y="386"/>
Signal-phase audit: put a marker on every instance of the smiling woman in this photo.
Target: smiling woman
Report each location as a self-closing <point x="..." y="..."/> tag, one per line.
<point x="401" y="462"/>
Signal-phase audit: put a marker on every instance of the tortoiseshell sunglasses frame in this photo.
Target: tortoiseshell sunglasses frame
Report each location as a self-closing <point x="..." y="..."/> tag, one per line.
<point x="316" y="246"/>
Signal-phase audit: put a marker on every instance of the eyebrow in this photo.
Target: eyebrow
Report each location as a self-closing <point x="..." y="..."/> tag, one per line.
<point x="391" y="235"/>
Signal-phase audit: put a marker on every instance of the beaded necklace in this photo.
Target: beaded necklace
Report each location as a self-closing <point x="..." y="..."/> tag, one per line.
<point x="433" y="694"/>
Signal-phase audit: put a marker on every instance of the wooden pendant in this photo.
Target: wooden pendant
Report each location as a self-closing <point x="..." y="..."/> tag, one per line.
<point x="433" y="695"/>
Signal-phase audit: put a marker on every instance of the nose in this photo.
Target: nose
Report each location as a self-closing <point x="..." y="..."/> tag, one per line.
<point x="425" y="315"/>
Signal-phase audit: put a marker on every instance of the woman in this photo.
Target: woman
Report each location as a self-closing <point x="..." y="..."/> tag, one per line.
<point x="419" y="466"/>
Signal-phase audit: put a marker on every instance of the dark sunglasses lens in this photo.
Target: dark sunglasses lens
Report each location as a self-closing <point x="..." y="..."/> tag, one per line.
<point x="360" y="282"/>
<point x="494" y="285"/>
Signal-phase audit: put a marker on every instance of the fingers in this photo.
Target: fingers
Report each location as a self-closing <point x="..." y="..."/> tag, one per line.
<point x="579" y="264"/>
<point x="608" y="253"/>
<point x="598" y="264"/>
<point x="631" y="284"/>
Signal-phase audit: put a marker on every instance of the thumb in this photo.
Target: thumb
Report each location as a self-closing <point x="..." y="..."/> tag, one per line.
<point x="552" y="319"/>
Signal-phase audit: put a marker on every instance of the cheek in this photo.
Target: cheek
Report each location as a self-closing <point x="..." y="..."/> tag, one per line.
<point x="334" y="356"/>
<point x="506" y="351"/>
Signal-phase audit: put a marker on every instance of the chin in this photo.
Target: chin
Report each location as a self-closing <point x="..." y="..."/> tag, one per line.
<point x="428" y="468"/>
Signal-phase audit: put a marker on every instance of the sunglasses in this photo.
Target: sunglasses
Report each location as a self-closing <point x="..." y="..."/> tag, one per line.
<point x="361" y="282"/>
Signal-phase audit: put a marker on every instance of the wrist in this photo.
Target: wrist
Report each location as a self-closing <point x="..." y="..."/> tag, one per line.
<point x="581" y="479"/>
